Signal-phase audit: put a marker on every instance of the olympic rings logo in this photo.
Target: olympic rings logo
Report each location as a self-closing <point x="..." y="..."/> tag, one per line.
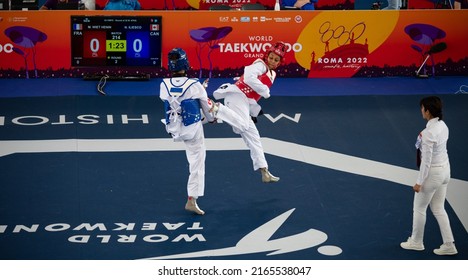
<point x="7" y="48"/>
<point x="340" y="33"/>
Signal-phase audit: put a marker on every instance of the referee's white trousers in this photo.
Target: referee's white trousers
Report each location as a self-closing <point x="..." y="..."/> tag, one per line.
<point x="236" y="113"/>
<point x="195" y="151"/>
<point x="433" y="193"/>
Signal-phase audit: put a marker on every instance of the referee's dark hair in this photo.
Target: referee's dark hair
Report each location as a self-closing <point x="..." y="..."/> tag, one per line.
<point x="434" y="105"/>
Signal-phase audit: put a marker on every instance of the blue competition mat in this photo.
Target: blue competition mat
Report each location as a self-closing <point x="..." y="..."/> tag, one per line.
<point x="97" y="177"/>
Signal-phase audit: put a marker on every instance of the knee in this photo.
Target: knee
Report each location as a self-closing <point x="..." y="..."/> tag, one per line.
<point x="419" y="211"/>
<point x="245" y="126"/>
<point x="438" y="210"/>
<point x="241" y="128"/>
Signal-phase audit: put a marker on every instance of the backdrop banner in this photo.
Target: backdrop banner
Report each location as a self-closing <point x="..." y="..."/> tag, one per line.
<point x="234" y="4"/>
<point x="219" y="44"/>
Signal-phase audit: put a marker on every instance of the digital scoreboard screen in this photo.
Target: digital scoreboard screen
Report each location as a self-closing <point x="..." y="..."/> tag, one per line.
<point x="116" y="41"/>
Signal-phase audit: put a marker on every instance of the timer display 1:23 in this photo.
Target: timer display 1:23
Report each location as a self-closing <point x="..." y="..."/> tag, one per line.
<point x="116" y="45"/>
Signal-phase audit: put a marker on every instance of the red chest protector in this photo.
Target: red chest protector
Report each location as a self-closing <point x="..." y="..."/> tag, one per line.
<point x="265" y="79"/>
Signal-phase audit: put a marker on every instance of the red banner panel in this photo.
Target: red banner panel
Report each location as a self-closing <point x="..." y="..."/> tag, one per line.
<point x="219" y="44"/>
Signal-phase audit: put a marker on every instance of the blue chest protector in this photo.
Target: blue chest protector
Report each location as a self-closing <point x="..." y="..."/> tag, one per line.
<point x="189" y="108"/>
<point x="190" y="111"/>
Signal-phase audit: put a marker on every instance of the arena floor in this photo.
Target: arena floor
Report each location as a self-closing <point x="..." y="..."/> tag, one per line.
<point x="92" y="177"/>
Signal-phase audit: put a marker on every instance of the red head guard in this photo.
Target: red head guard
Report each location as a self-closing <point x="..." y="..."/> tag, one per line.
<point x="278" y="48"/>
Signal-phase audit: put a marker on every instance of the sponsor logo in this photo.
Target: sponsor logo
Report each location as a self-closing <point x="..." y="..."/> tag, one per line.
<point x="282" y="19"/>
<point x="298" y="19"/>
<point x="245" y="19"/>
<point x="265" y="19"/>
<point x="17" y="19"/>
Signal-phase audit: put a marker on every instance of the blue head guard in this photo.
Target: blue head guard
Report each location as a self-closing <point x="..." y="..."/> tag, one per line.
<point x="177" y="60"/>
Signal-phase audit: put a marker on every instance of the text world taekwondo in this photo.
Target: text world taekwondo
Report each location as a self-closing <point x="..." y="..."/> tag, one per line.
<point x="118" y="232"/>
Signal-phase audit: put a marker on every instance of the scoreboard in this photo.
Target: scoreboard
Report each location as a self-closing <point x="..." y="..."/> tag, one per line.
<point x="116" y="41"/>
